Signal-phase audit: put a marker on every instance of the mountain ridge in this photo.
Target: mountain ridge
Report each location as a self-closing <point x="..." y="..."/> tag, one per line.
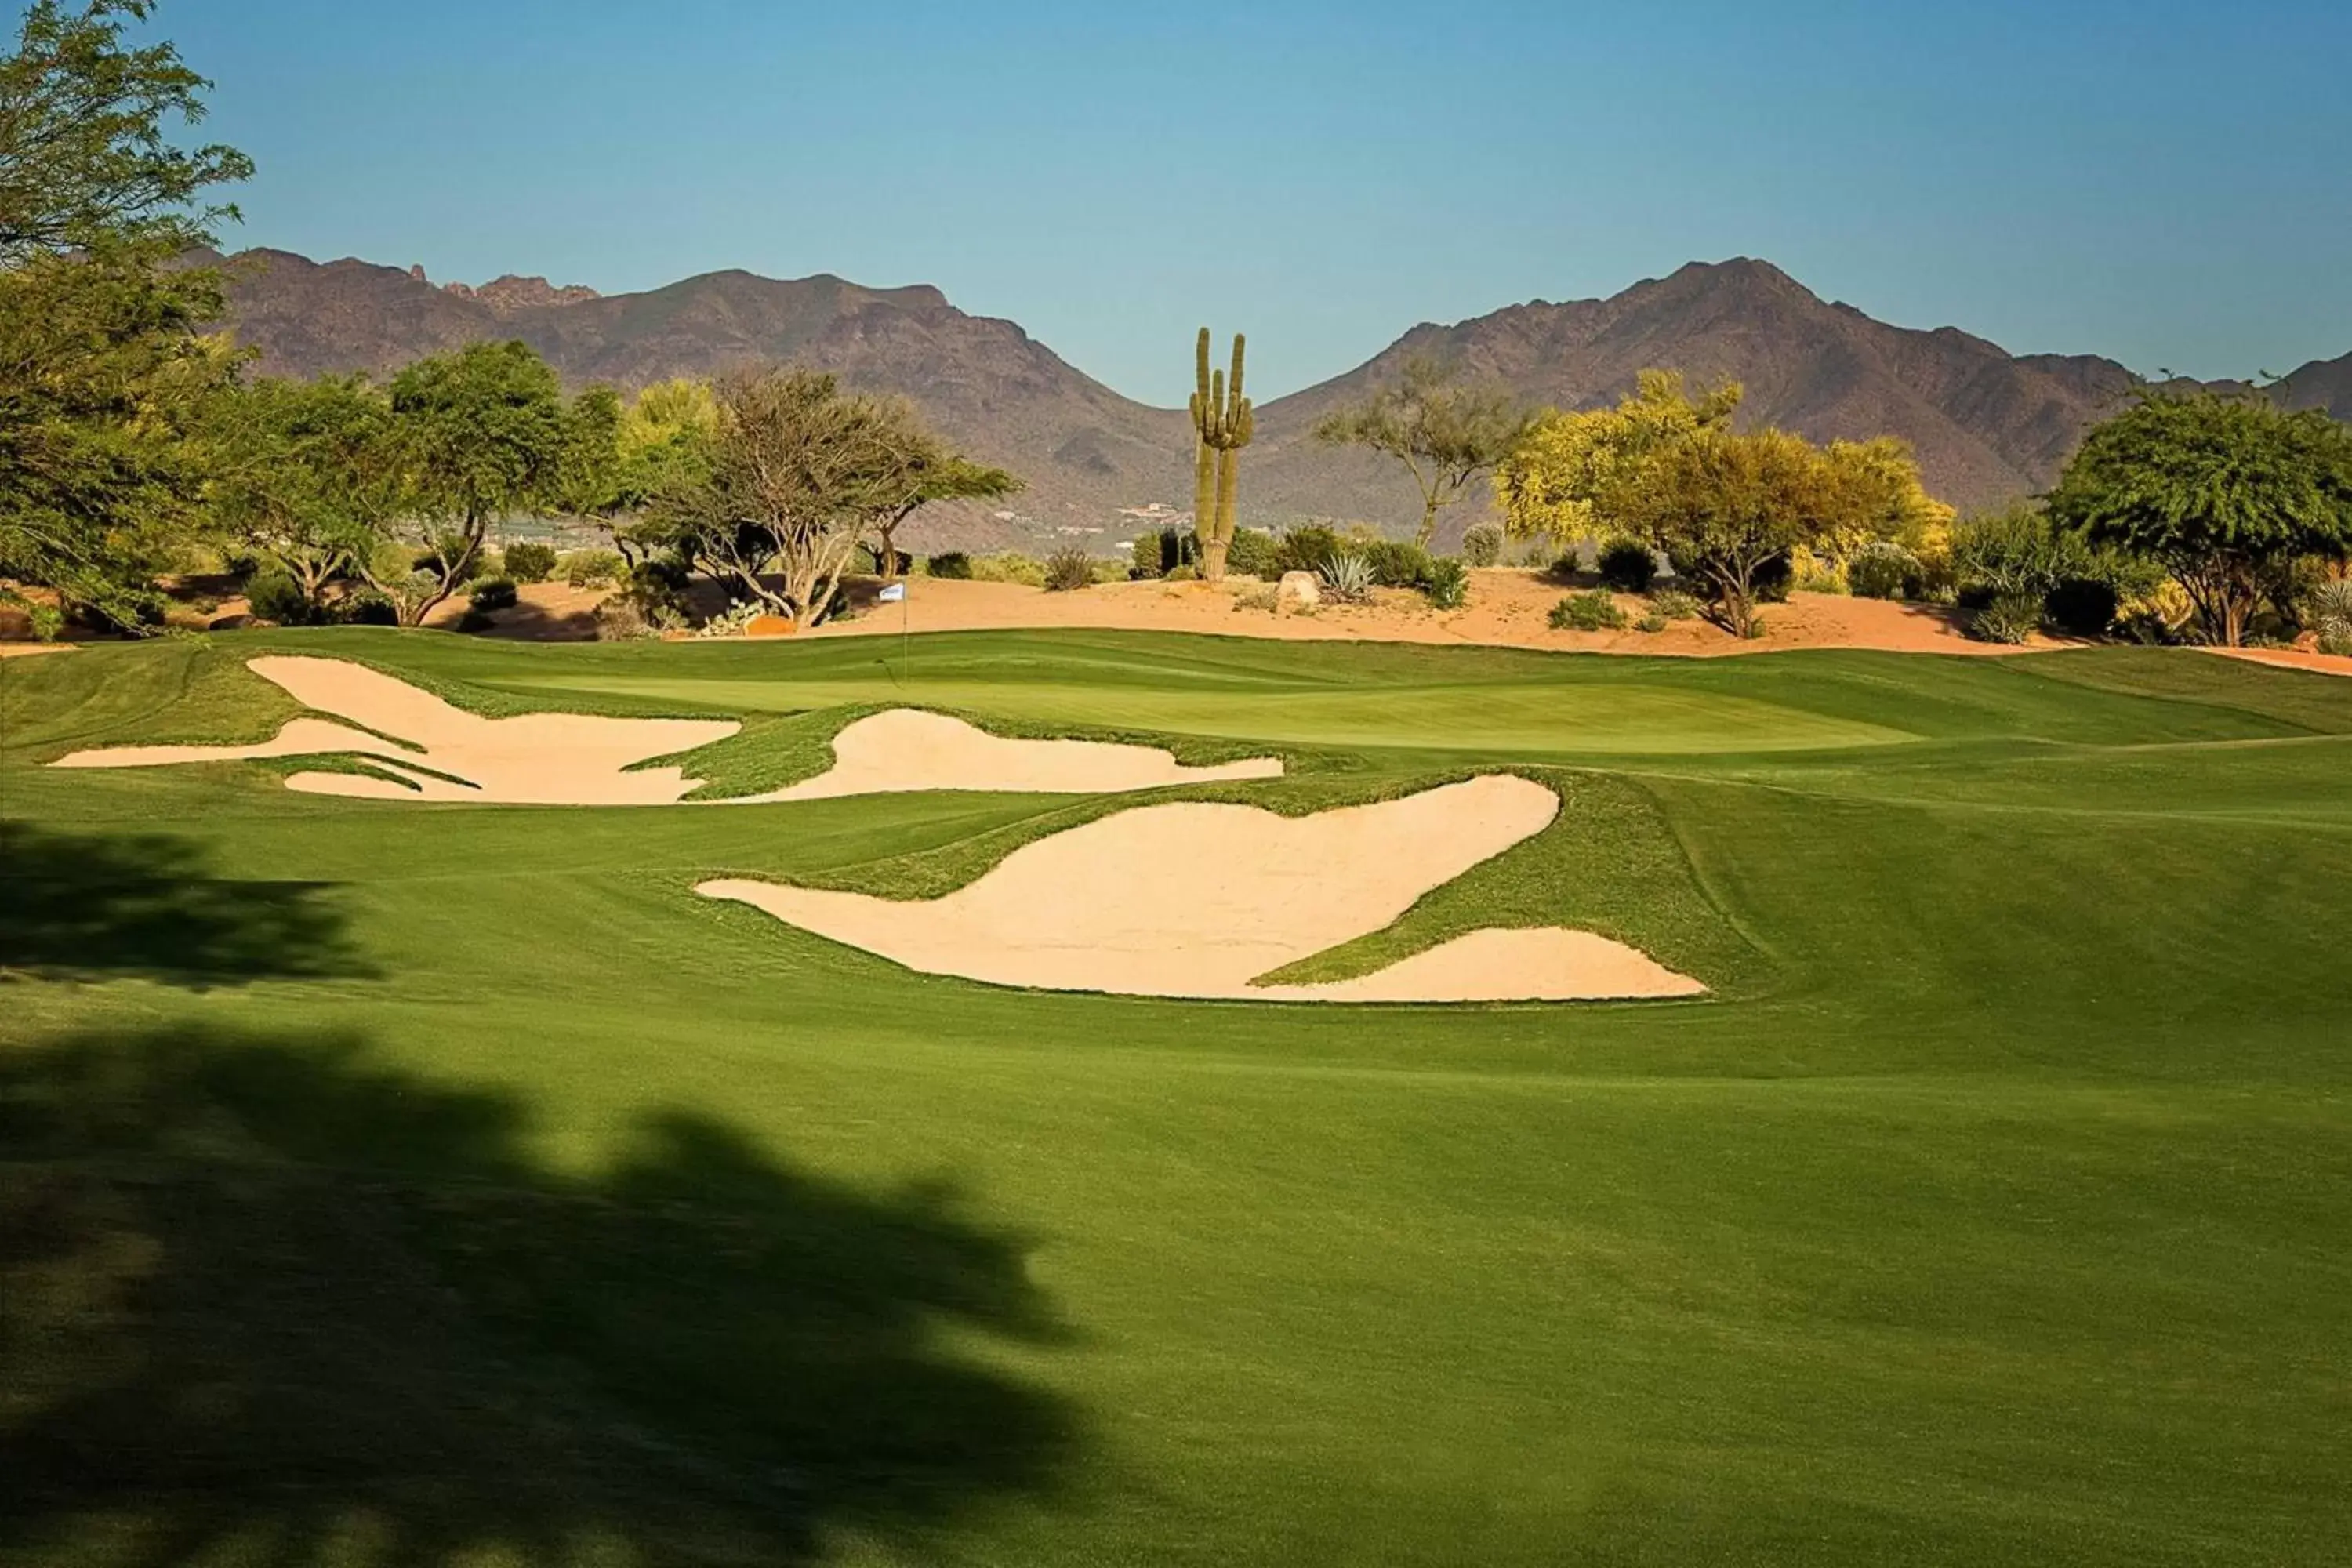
<point x="1988" y="426"/>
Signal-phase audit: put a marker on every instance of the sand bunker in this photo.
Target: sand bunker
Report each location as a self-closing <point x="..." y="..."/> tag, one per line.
<point x="533" y="759"/>
<point x="1198" y="899"/>
<point x="907" y="749"/>
<point x="570" y="759"/>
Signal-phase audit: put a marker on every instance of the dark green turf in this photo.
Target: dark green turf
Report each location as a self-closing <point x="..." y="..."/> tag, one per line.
<point x="391" y="1184"/>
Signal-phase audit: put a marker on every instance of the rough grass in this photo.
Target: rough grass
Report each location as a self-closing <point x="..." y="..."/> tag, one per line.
<point x="389" y="1183"/>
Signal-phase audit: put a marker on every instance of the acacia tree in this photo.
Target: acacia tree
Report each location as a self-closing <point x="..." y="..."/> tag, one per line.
<point x="476" y="435"/>
<point x="302" y="473"/>
<point x="799" y="471"/>
<point x="951" y="478"/>
<point x="2220" y="490"/>
<point x="103" y="364"/>
<point x="1448" y="435"/>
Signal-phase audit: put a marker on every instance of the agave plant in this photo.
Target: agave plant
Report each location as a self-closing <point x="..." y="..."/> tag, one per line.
<point x="1347" y="578"/>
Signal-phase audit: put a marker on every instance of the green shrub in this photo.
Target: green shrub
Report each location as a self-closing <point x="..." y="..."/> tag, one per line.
<point x="1773" y="580"/>
<point x="2009" y="618"/>
<point x="1482" y="545"/>
<point x="1264" y="596"/>
<point x="1306" y="547"/>
<point x="1884" y="570"/>
<point x="493" y="593"/>
<point x="530" y="561"/>
<point x="275" y="596"/>
<point x="590" y="568"/>
<point x="1676" y="605"/>
<point x="1396" y="563"/>
<point x="1566" y="566"/>
<point x="1066" y="570"/>
<point x="1627" y="565"/>
<point x="1446" y="583"/>
<point x="1253" y="553"/>
<point x="949" y="563"/>
<point x="878" y="559"/>
<point x="1592" y="611"/>
<point x="1010" y="566"/>
<point x="367" y="608"/>
<point x="1347" y="578"/>
<point x="2081" y="606"/>
<point x="1652" y="622"/>
<point x="1188" y="572"/>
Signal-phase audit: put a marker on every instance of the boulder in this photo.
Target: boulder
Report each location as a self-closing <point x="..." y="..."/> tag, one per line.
<point x="770" y="627"/>
<point x="1297" y="588"/>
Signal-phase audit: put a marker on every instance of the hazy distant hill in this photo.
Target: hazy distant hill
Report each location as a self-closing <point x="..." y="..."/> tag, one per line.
<point x="1988" y="426"/>
<point x="2322" y="384"/>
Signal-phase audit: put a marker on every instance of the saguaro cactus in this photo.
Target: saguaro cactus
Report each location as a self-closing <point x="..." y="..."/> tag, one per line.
<point x="1223" y="422"/>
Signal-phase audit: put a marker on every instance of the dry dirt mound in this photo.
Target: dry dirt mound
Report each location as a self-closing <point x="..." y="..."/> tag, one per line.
<point x="907" y="749"/>
<point x="1198" y="899"/>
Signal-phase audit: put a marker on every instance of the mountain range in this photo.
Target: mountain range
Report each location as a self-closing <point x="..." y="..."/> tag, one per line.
<point x="1988" y="426"/>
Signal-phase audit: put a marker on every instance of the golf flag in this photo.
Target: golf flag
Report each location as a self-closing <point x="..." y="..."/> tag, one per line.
<point x="892" y="593"/>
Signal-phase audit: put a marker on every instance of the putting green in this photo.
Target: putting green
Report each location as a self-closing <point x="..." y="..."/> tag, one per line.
<point x="387" y="1184"/>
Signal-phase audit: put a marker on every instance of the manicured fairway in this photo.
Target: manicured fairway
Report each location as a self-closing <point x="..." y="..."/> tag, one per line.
<point x="404" y="1184"/>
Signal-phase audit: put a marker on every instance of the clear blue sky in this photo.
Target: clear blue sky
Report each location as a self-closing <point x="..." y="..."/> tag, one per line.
<point x="2165" y="181"/>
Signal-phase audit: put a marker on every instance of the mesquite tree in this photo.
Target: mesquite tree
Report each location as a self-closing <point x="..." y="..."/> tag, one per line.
<point x="1223" y="423"/>
<point x="2220" y="490"/>
<point x="1447" y="434"/>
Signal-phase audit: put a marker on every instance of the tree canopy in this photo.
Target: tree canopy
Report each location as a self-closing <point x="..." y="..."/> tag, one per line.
<point x="303" y="473"/>
<point x="1448" y="434"/>
<point x="2222" y="491"/>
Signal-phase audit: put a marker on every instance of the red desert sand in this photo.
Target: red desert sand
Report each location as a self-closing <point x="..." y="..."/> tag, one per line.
<point x="1133" y="904"/>
<point x="566" y="759"/>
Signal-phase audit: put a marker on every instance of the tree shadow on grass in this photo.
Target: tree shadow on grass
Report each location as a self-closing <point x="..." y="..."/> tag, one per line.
<point x="89" y="907"/>
<point x="264" y="1300"/>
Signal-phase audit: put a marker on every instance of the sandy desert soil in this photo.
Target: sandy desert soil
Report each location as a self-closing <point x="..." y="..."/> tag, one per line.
<point x="2290" y="658"/>
<point x="1198" y="899"/>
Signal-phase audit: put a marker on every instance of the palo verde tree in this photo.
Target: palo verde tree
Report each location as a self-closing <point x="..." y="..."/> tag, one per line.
<point x="2220" y="491"/>
<point x="799" y="472"/>
<point x="478" y="434"/>
<point x="1223" y="423"/>
<point x="1448" y="435"/>
<point x="103" y="360"/>
<point x="1567" y="469"/>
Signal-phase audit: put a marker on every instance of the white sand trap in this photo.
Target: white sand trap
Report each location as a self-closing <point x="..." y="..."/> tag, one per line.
<point x="533" y="759"/>
<point x="1197" y="899"/>
<point x="907" y="749"/>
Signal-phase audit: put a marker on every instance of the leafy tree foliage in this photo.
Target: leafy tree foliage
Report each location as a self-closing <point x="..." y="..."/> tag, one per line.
<point x="2221" y="490"/>
<point x="303" y="473"/>
<point x="103" y="367"/>
<point x="1448" y="435"/>
<point x="1567" y="467"/>
<point x="950" y="478"/>
<point x="799" y="472"/>
<point x="476" y="434"/>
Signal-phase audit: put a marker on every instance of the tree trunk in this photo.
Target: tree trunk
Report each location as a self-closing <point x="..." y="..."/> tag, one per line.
<point x="1428" y="520"/>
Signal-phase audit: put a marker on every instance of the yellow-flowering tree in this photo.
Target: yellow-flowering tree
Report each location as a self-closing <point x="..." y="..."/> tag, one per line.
<point x="1564" y="475"/>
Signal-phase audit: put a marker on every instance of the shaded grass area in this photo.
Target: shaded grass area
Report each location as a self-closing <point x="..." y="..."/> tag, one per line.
<point x="1996" y="1219"/>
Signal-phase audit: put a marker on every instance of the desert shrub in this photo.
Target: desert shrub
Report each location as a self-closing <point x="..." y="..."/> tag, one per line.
<point x="1068" y="569"/>
<point x="1264" y="596"/>
<point x="887" y="562"/>
<point x="1395" y="562"/>
<point x="1177" y="547"/>
<point x="590" y="568"/>
<point x="368" y="608"/>
<point x="1627" y="565"/>
<point x="2016" y="552"/>
<point x="1812" y="573"/>
<point x="1676" y="605"/>
<point x="1592" y="611"/>
<point x="1566" y="566"/>
<point x="531" y="561"/>
<point x="275" y="596"/>
<point x="1446" y="582"/>
<point x="2327" y="611"/>
<point x="1652" y="622"/>
<point x="493" y="593"/>
<point x="618" y="620"/>
<point x="2010" y="617"/>
<point x="1482" y="545"/>
<point x="1306" y="547"/>
<point x="1773" y="580"/>
<point x="1253" y="553"/>
<point x="1884" y="570"/>
<point x="732" y="621"/>
<point x="949" y="563"/>
<point x="2081" y="606"/>
<point x="1347" y="578"/>
<point x="1188" y="572"/>
<point x="1010" y="566"/>
<point x="1143" y="556"/>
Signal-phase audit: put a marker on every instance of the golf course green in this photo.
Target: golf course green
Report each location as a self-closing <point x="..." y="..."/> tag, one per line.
<point x="388" y="1182"/>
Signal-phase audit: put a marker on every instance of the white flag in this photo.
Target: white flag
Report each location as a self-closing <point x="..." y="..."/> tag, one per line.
<point x="892" y="593"/>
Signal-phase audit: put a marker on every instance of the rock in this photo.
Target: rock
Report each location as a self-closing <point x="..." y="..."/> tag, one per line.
<point x="2306" y="642"/>
<point x="1298" y="588"/>
<point x="770" y="627"/>
<point x="231" y="622"/>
